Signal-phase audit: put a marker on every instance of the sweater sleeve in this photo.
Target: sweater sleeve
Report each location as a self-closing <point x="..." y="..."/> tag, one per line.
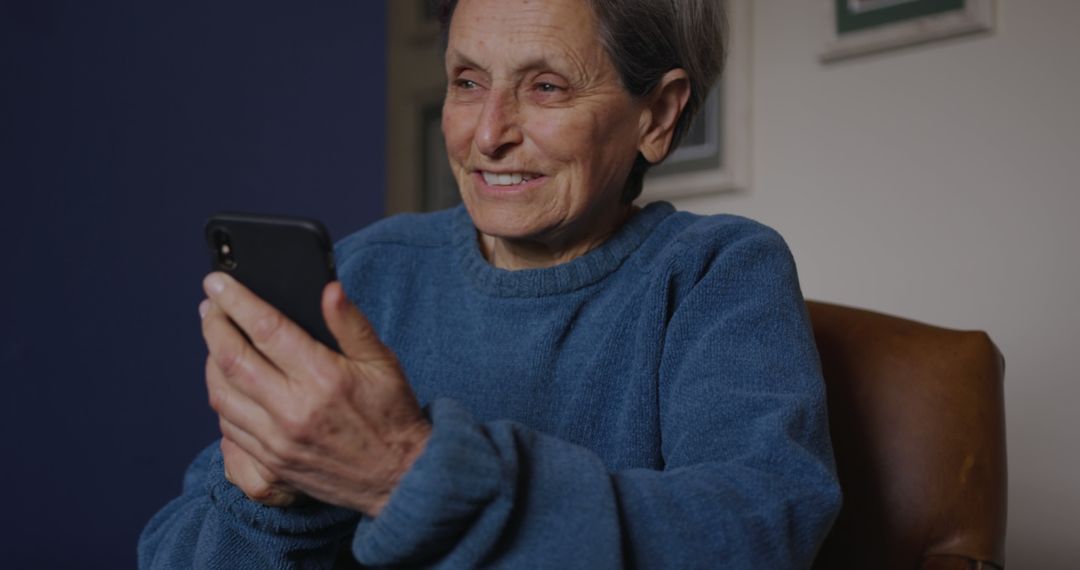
<point x="748" y="478"/>
<point x="212" y="524"/>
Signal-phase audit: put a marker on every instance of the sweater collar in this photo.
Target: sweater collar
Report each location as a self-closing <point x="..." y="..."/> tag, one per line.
<point x="563" y="278"/>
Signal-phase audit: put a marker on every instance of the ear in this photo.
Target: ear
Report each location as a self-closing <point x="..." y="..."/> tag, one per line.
<point x="664" y="106"/>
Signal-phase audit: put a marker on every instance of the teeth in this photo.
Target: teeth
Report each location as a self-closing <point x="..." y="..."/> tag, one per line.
<point x="506" y="179"/>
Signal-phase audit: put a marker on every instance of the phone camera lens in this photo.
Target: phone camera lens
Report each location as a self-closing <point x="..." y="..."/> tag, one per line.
<point x="223" y="245"/>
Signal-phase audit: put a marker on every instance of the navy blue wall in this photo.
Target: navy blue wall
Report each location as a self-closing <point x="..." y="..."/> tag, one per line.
<point x="123" y="124"/>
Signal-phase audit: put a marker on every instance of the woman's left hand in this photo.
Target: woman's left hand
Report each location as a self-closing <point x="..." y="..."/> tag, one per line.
<point x="342" y="428"/>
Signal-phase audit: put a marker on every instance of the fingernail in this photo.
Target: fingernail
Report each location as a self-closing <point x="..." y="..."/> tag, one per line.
<point x="204" y="308"/>
<point x="214" y="283"/>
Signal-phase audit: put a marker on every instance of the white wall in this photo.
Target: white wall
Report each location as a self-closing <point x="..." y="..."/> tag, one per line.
<point x="941" y="183"/>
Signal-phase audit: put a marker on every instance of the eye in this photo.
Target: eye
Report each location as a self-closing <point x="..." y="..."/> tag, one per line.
<point x="465" y="84"/>
<point x="549" y="87"/>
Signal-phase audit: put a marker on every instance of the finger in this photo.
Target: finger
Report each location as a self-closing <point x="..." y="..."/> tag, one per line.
<point x="253" y="479"/>
<point x="281" y="340"/>
<point x="234" y="405"/>
<point x="241" y="365"/>
<point x="252" y="446"/>
<point x="251" y="464"/>
<point x="228" y="449"/>
<point x="354" y="333"/>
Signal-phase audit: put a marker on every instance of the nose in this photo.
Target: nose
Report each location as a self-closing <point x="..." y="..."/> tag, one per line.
<point x="498" y="129"/>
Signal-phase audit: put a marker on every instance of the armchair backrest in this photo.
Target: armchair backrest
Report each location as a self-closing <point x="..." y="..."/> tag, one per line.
<point x="917" y="419"/>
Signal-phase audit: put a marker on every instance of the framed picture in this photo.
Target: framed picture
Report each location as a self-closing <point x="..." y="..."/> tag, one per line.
<point x="714" y="156"/>
<point x="420" y="19"/>
<point x="438" y="189"/>
<point x="417" y="172"/>
<point x="866" y="26"/>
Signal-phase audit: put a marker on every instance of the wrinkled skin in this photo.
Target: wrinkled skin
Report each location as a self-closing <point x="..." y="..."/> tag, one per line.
<point x="298" y="419"/>
<point x="532" y="91"/>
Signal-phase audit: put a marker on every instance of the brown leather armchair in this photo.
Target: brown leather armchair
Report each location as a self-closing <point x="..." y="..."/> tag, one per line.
<point x="918" y="427"/>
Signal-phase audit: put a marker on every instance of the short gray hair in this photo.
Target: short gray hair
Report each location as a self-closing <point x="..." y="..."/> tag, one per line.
<point x="647" y="38"/>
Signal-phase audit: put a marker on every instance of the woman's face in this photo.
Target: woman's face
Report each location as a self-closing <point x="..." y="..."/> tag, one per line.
<point x="540" y="133"/>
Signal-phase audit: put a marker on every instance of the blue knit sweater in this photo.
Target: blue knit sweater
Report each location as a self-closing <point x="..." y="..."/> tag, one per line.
<point x="655" y="403"/>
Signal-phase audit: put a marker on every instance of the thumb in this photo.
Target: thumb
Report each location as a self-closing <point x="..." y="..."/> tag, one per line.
<point x="354" y="333"/>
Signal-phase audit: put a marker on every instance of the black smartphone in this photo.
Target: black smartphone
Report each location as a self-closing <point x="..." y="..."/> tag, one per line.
<point x="285" y="261"/>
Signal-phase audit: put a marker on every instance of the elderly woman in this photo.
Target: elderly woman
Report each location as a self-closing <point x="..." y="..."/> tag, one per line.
<point x="603" y="385"/>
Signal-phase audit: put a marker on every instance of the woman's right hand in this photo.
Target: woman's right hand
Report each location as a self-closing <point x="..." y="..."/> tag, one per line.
<point x="342" y="428"/>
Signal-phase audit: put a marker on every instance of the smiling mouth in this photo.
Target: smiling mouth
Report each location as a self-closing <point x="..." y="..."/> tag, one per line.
<point x="508" y="178"/>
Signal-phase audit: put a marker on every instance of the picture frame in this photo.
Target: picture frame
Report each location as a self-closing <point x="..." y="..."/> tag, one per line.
<point x="858" y="27"/>
<point x="714" y="157"/>
<point x="416" y="83"/>
<point x="438" y="189"/>
<point x="420" y="19"/>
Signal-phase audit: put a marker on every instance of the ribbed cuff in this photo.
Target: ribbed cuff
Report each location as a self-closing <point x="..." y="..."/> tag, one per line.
<point x="454" y="479"/>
